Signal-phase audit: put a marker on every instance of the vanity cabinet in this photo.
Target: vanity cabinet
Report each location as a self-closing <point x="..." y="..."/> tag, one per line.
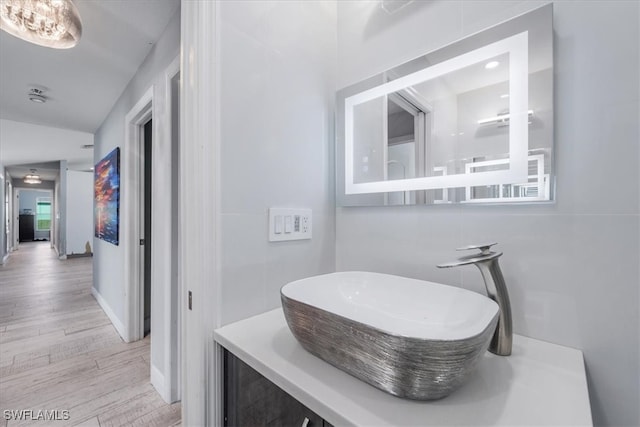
<point x="539" y="384"/>
<point x="251" y="400"/>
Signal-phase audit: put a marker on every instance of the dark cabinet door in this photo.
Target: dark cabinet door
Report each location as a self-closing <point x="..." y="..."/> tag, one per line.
<point x="251" y="400"/>
<point x="26" y="229"/>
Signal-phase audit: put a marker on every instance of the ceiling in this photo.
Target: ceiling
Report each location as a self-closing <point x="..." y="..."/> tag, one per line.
<point x="82" y="83"/>
<point x="46" y="171"/>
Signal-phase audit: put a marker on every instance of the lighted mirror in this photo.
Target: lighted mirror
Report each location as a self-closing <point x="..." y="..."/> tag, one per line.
<point x="471" y="122"/>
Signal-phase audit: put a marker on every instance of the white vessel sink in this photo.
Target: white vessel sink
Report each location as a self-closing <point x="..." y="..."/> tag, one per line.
<point x="408" y="337"/>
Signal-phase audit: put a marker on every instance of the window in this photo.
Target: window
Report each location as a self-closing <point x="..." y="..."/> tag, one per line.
<point x="43" y="214"/>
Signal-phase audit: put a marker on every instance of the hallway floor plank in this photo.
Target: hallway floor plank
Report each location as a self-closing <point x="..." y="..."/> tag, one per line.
<point x="59" y="351"/>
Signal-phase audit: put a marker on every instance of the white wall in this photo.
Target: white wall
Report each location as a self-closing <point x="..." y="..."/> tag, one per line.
<point x="276" y="92"/>
<point x="571" y="266"/>
<point x="267" y="92"/>
<point x="108" y="258"/>
<point x="79" y="211"/>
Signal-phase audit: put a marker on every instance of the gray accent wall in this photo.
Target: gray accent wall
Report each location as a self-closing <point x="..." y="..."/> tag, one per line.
<point x="44" y="185"/>
<point x="108" y="259"/>
<point x="572" y="267"/>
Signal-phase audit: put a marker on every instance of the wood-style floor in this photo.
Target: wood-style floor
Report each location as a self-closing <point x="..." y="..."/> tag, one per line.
<point x="58" y="350"/>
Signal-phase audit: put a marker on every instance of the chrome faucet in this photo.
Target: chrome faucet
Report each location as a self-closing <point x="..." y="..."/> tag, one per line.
<point x="487" y="262"/>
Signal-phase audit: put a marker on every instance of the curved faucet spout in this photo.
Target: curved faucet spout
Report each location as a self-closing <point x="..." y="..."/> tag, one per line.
<point x="487" y="262"/>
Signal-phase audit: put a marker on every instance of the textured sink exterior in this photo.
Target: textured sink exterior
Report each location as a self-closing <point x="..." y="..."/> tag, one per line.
<point x="411" y="338"/>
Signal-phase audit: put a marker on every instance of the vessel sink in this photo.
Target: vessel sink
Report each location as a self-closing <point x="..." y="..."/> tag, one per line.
<point x="411" y="338"/>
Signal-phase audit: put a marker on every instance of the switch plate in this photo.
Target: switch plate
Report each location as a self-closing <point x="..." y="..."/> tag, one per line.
<point x="278" y="226"/>
<point x="289" y="224"/>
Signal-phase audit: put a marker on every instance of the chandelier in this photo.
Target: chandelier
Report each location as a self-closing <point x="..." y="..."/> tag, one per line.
<point x="50" y="23"/>
<point x="32" y="178"/>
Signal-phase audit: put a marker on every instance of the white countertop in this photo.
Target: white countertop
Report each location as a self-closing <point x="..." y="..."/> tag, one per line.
<point x="540" y="384"/>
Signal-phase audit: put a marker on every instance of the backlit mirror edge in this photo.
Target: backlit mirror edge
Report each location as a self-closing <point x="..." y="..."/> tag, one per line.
<point x="379" y="198"/>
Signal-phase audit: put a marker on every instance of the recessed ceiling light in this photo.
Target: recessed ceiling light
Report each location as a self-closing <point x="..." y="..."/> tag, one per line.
<point x="491" y="64"/>
<point x="505" y="95"/>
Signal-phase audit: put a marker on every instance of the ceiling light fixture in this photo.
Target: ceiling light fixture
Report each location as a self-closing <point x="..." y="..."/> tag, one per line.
<point x="37" y="95"/>
<point x="491" y="65"/>
<point x="49" y="23"/>
<point x="32" y="178"/>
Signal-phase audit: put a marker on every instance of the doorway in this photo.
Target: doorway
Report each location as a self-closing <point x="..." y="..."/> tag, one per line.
<point x="35" y="218"/>
<point x="149" y="229"/>
<point x="134" y="229"/>
<point x="147" y="143"/>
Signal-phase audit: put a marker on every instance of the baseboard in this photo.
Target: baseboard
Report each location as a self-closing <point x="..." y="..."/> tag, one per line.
<point x="157" y="381"/>
<point x="110" y="314"/>
<point x="82" y="255"/>
<point x="60" y="256"/>
<point x="4" y="259"/>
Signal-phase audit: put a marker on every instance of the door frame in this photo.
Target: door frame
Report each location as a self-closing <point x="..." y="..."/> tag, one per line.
<point x="200" y="215"/>
<point x="172" y="295"/>
<point x="16" y="209"/>
<point x="9" y="212"/>
<point x="132" y="211"/>
<point x="15" y="232"/>
<point x="155" y="104"/>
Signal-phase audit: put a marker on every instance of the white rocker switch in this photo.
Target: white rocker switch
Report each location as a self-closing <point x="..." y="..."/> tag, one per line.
<point x="285" y="224"/>
<point x="288" y="224"/>
<point x="278" y="224"/>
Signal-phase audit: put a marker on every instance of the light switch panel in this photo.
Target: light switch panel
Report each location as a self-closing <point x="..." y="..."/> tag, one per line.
<point x="289" y="224"/>
<point x="278" y="225"/>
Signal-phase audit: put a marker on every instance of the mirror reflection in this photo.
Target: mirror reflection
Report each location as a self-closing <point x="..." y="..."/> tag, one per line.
<point x="469" y="123"/>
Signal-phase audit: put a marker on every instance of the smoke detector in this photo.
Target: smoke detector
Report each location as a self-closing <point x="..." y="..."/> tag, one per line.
<point x="37" y="95"/>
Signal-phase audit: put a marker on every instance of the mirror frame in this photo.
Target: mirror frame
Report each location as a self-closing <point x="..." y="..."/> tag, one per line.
<point x="517" y="49"/>
<point x="510" y="41"/>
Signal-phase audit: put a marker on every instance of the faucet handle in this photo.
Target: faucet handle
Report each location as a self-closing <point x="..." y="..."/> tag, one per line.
<point x="484" y="248"/>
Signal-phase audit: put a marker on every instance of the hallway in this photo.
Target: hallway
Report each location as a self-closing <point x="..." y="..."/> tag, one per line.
<point x="58" y="350"/>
